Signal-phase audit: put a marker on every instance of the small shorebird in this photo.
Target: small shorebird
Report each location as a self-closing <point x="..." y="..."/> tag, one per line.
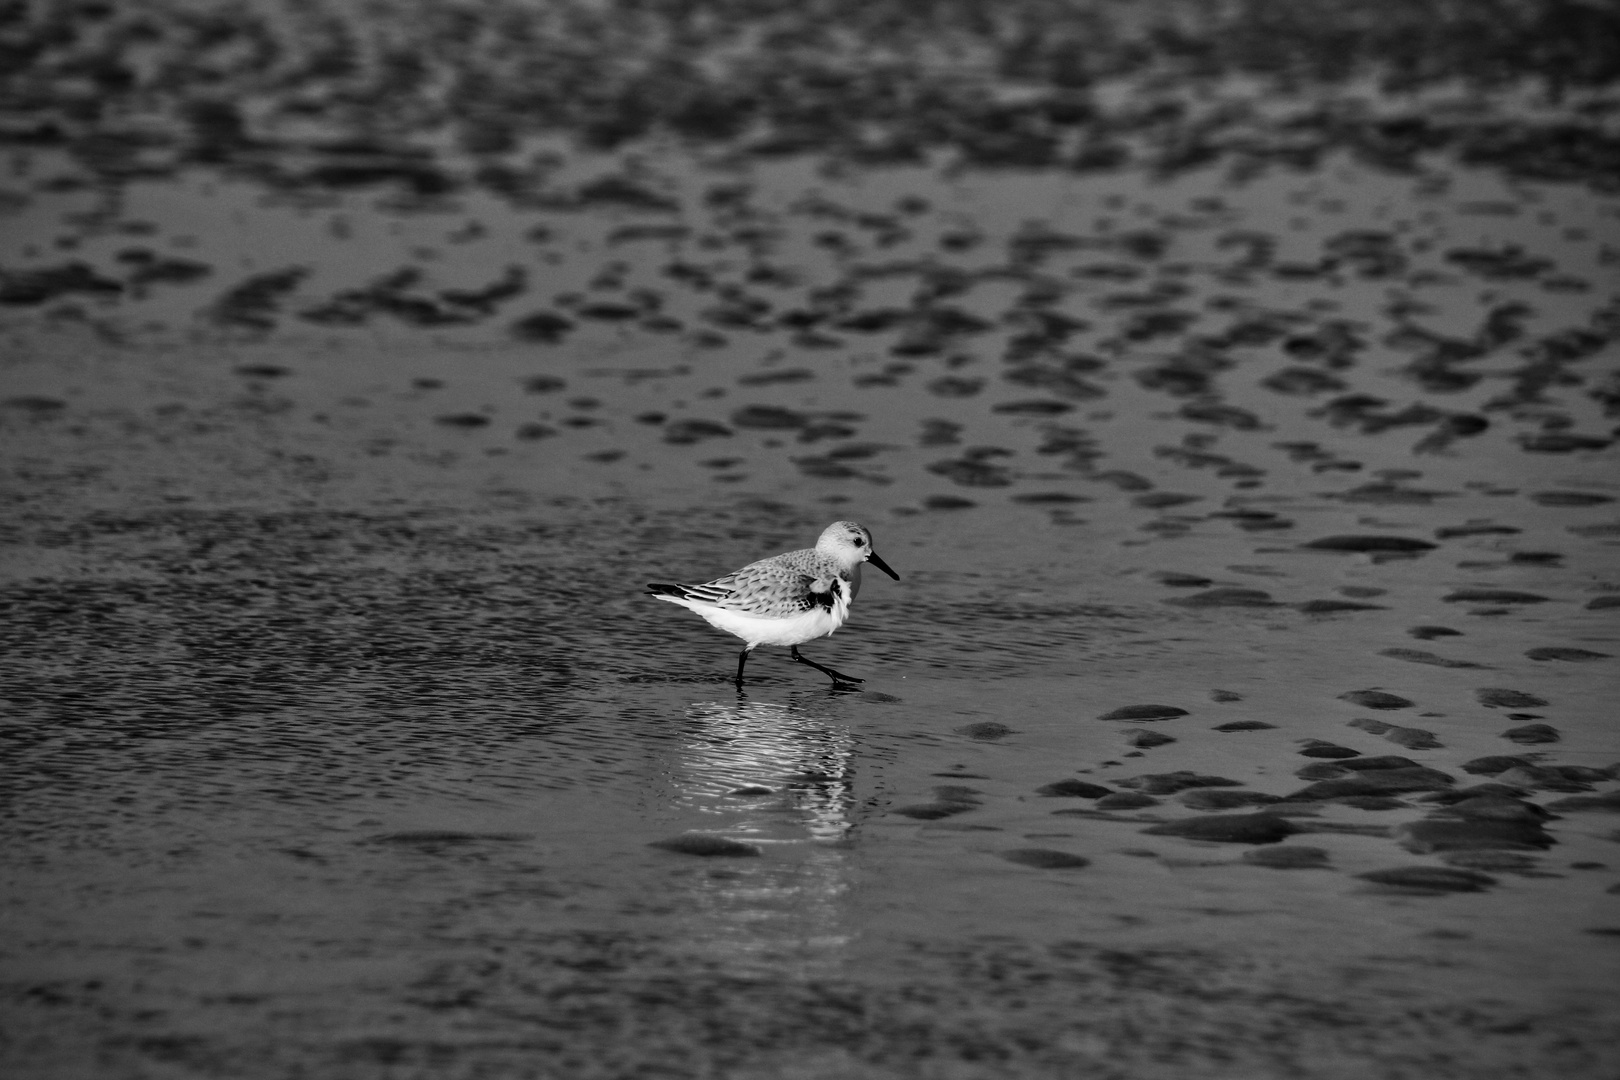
<point x="786" y="599"/>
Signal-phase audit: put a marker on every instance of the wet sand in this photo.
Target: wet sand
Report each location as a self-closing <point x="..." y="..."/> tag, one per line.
<point x="1235" y="395"/>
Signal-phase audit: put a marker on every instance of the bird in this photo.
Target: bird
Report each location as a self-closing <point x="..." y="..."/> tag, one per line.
<point x="787" y="599"/>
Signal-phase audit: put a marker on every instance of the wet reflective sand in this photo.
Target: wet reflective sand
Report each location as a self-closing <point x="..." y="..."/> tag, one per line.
<point x="1245" y="706"/>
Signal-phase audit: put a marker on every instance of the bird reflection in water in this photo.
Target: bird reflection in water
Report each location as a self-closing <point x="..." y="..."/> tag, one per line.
<point x="780" y="777"/>
<point x="772" y="773"/>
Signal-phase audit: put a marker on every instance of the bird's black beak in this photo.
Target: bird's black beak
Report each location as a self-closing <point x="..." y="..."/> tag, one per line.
<point x="872" y="557"/>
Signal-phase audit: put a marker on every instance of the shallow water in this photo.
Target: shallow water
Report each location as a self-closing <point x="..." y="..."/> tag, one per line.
<point x="340" y="733"/>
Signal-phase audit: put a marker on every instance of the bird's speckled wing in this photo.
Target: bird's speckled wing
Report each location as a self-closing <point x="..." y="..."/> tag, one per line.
<point x="778" y="587"/>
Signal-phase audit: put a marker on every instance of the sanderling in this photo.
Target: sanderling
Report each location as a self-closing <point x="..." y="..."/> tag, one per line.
<point x="786" y="599"/>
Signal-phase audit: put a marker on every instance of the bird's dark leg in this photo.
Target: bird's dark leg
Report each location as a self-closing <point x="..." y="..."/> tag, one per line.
<point x="836" y="676"/>
<point x="742" y="658"/>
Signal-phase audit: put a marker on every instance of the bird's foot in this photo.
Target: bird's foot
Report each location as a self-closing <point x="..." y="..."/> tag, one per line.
<point x="840" y="680"/>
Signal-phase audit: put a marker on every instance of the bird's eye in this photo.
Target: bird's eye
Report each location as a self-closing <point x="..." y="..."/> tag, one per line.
<point x="859" y="542"/>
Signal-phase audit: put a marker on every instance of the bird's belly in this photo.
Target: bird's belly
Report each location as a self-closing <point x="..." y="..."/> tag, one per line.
<point x="793" y="630"/>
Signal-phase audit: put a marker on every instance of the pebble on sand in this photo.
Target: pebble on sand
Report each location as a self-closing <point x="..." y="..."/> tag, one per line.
<point x="952" y="799"/>
<point x="1470" y="834"/>
<point x="1384" y="544"/>
<point x="1494" y="697"/>
<point x="707" y="845"/>
<point x="1333" y="607"/>
<point x="1532" y="734"/>
<point x="1493" y="596"/>
<point x="1172" y="782"/>
<point x="1045" y="859"/>
<point x="1421" y="656"/>
<point x="1320" y="748"/>
<point x="1228" y="828"/>
<point x="1224" y="799"/>
<point x="1544" y="778"/>
<point x="1144" y="713"/>
<point x="1374" y="782"/>
<point x="1126" y="800"/>
<point x="1376" y="699"/>
<point x="1227" y="597"/>
<point x="1147" y="740"/>
<point x="1608" y="801"/>
<point x="1288" y="857"/>
<point x="1492" y="861"/>
<point x="1430" y="879"/>
<point x="985" y="730"/>
<point x="1429" y="633"/>
<point x="1410" y="737"/>
<point x="1570" y="655"/>
<point x="1492" y="764"/>
<point x="1073" y="789"/>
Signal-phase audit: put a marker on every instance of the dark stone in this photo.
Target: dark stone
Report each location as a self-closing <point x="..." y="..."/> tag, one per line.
<point x="1493" y="697"/>
<point x="1609" y="801"/>
<point x="1317" y="748"/>
<point x="1493" y="764"/>
<point x="1223" y="799"/>
<point x="986" y="730"/>
<point x="689" y="431"/>
<point x="1532" y="734"/>
<point x="1288" y="857"/>
<point x="1562" y="442"/>
<point x="1376" y="699"/>
<point x="1228" y="828"/>
<point x="1430" y="879"/>
<point x="1473" y="791"/>
<point x="1386" y="761"/>
<point x="1420" y="656"/>
<point x="1126" y="800"/>
<point x="1468" y="834"/>
<point x="1147" y="740"/>
<point x="1374" y="782"/>
<point x="1226" y="597"/>
<point x="1181" y="581"/>
<point x="1492" y="860"/>
<point x="1170" y="783"/>
<point x="546" y="327"/>
<point x="1370" y="802"/>
<point x="1570" y="498"/>
<point x="1493" y="596"/>
<point x="1073" y="789"/>
<point x="1244" y="725"/>
<point x="1144" y="713"/>
<point x="1543" y="779"/>
<point x="1412" y="738"/>
<point x="1494" y="807"/>
<point x="1574" y="656"/>
<point x="1370" y="543"/>
<point x="1478" y="529"/>
<point x="1321" y="771"/>
<point x="1409" y="737"/>
<point x="933" y="811"/>
<point x="1045" y="859"/>
<point x="705" y="844"/>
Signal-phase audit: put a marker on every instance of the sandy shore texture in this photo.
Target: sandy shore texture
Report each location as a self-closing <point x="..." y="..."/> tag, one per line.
<point x="1235" y="388"/>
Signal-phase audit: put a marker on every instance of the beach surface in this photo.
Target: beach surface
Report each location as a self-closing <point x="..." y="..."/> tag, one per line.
<point x="1235" y="392"/>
